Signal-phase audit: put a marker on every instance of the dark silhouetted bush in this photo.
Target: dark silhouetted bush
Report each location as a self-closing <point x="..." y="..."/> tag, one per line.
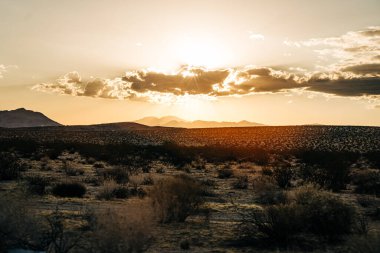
<point x="327" y="169"/>
<point x="307" y="211"/>
<point x="72" y="189"/>
<point x="367" y="181"/>
<point x="148" y="180"/>
<point x="119" y="174"/>
<point x="267" y="191"/>
<point x="121" y="231"/>
<point x="175" y="198"/>
<point x="241" y="182"/>
<point x="37" y="184"/>
<point x="364" y="244"/>
<point x="283" y="176"/>
<point x="225" y="173"/>
<point x="10" y="166"/>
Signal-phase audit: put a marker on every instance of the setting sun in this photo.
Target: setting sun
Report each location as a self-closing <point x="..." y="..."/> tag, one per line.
<point x="201" y="51"/>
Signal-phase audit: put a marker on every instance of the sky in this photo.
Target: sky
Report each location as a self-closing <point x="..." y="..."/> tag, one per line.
<point x="273" y="62"/>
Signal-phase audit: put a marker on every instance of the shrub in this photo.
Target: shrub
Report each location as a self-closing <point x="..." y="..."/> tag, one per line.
<point x="266" y="171"/>
<point x="98" y="165"/>
<point x="10" y="166"/>
<point x="37" y="184"/>
<point x="160" y="170"/>
<point x="71" y="189"/>
<point x="324" y="214"/>
<point x="328" y="169"/>
<point x="19" y="227"/>
<point x="241" y="182"/>
<point x="274" y="226"/>
<point x="367" y="181"/>
<point x="365" y="244"/>
<point x="184" y="244"/>
<point x="119" y="174"/>
<point x="267" y="191"/>
<point x="225" y="173"/>
<point x="148" y="180"/>
<point x="175" y="198"/>
<point x="283" y="176"/>
<point x="111" y="190"/>
<point x="307" y="211"/>
<point x="121" y="231"/>
<point x="107" y="190"/>
<point x="71" y="170"/>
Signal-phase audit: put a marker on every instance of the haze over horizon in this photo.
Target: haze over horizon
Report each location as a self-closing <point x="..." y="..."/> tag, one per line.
<point x="94" y="62"/>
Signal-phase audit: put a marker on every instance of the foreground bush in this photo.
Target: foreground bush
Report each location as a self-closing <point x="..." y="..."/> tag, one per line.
<point x="241" y="182"/>
<point x="121" y="231"/>
<point x="327" y="169"/>
<point x="367" y="181"/>
<point x="307" y="211"/>
<point x="365" y="244"/>
<point x="324" y="214"/>
<point x="118" y="174"/>
<point x="72" y="189"/>
<point x="283" y="176"/>
<point x="19" y="227"/>
<point x="36" y="184"/>
<point x="267" y="191"/>
<point x="175" y="198"/>
<point x="10" y="166"/>
<point x="225" y="173"/>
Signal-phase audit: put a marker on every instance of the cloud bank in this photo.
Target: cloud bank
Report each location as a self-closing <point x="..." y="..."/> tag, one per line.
<point x="354" y="71"/>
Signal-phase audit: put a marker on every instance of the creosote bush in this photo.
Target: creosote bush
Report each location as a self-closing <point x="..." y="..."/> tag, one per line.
<point x="128" y="230"/>
<point x="283" y="176"/>
<point x="118" y="173"/>
<point x="267" y="191"/>
<point x="19" y="227"/>
<point x="225" y="173"/>
<point x="10" y="166"/>
<point x="37" y="184"/>
<point x="69" y="189"/>
<point x="175" y="198"/>
<point x="307" y="211"/>
<point x="241" y="182"/>
<point x="367" y="181"/>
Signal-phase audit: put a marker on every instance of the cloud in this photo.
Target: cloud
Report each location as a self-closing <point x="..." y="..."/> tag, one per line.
<point x="371" y="68"/>
<point x="194" y="81"/>
<point x="186" y="81"/>
<point x="5" y="68"/>
<point x="256" y="36"/>
<point x="354" y="71"/>
<point x="350" y="49"/>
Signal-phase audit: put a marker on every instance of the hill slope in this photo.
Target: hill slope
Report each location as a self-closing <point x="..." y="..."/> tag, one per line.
<point x="24" y="118"/>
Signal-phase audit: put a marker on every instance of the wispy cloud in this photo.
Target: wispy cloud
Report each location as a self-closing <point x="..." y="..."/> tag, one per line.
<point x="5" y="68"/>
<point x="353" y="50"/>
<point x="256" y="36"/>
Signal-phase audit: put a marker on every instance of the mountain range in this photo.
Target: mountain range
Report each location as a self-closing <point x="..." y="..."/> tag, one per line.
<point x="172" y="121"/>
<point x="27" y="118"/>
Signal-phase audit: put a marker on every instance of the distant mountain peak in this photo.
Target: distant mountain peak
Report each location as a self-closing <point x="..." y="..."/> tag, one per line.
<point x="22" y="117"/>
<point x="173" y="121"/>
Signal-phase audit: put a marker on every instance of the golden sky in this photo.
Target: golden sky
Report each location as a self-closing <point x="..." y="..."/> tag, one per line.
<point x="272" y="62"/>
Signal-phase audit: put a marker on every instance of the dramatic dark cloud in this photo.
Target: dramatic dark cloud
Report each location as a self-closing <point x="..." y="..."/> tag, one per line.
<point x="347" y="86"/>
<point x="354" y="71"/>
<point x="352" y="81"/>
<point x="371" y="68"/>
<point x="187" y="81"/>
